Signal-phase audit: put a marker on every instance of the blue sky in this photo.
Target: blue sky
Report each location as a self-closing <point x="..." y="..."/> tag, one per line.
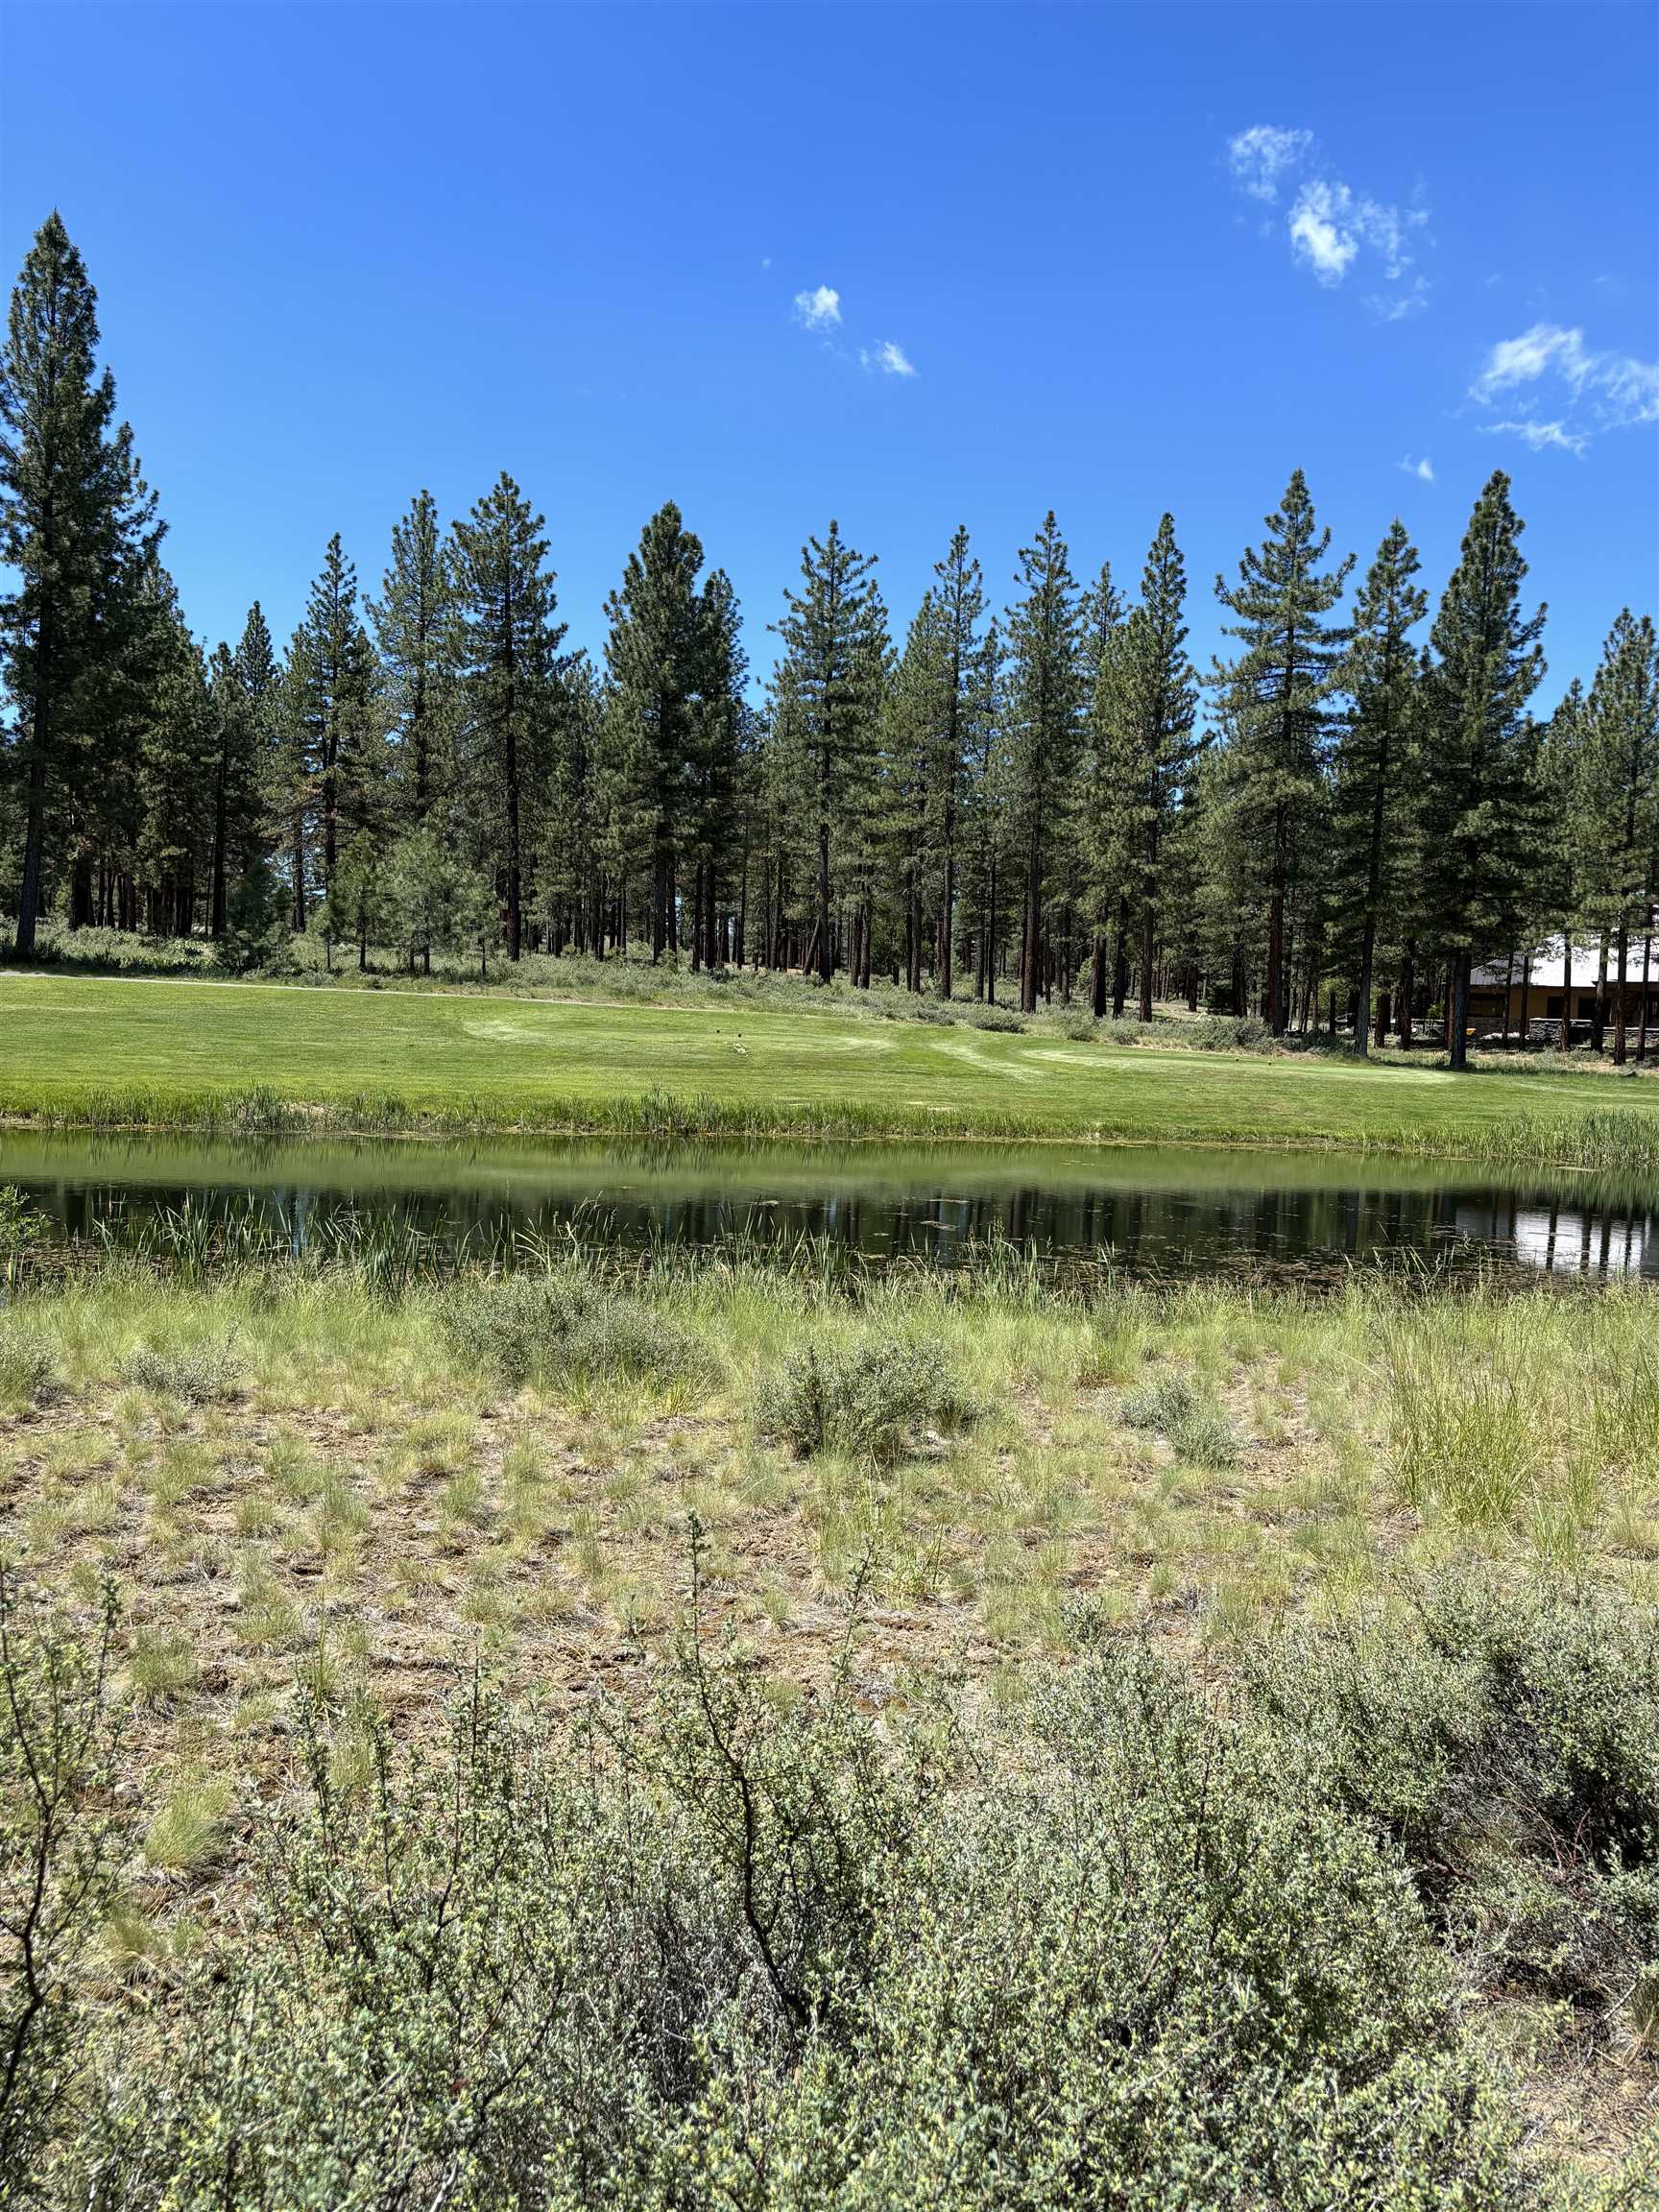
<point x="906" y="265"/>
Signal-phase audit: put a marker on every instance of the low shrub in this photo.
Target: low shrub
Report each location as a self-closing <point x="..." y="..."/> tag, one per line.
<point x="1172" y="1404"/>
<point x="29" y="1372"/>
<point x="761" y="1958"/>
<point x="870" y="1395"/>
<point x="207" y="1374"/>
<point x="561" y="1328"/>
<point x="1509" y="1748"/>
<point x="1135" y="1943"/>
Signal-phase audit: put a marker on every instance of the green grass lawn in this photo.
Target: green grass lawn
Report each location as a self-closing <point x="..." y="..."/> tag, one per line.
<point x="102" y="1052"/>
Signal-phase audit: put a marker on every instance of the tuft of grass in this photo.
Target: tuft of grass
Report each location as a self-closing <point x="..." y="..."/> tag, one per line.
<point x="162" y="1668"/>
<point x="188" y="1832"/>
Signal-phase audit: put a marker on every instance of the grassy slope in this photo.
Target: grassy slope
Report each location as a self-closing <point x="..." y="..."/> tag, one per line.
<point x="80" y="1048"/>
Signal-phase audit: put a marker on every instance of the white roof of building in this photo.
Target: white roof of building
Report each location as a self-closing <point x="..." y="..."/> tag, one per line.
<point x="1586" y="965"/>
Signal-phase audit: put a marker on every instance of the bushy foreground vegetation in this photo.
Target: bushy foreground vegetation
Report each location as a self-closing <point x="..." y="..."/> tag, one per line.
<point x="1117" y="1746"/>
<point x="1331" y="1932"/>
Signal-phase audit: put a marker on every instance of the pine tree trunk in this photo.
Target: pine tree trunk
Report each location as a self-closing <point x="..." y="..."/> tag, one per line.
<point x="1362" y="1006"/>
<point x="1273" y="994"/>
<point x="1620" y="1017"/>
<point x="1031" y="945"/>
<point x="823" y="929"/>
<point x="948" y="916"/>
<point x="1525" y="1025"/>
<point x="1598" y="1020"/>
<point x="1097" y="989"/>
<point x="1646" y="953"/>
<point x="1457" y="999"/>
<point x="1149" y="924"/>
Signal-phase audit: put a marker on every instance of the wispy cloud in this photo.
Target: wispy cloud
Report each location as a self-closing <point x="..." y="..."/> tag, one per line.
<point x="889" y="358"/>
<point x="1563" y="392"/>
<point x="818" y="309"/>
<point x="1260" y="156"/>
<point x="1399" y="306"/>
<point x="1539" y="435"/>
<point x="1422" y="470"/>
<point x="1329" y="224"/>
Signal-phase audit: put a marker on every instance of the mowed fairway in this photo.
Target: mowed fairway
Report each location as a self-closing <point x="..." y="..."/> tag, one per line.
<point x="69" y="1045"/>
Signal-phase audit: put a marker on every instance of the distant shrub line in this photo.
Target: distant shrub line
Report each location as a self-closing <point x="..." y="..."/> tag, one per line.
<point x="1598" y="1138"/>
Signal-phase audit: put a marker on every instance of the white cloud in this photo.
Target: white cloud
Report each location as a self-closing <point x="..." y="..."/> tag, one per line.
<point x="1422" y="470"/>
<point x="889" y="358"/>
<point x="1398" y="306"/>
<point x="1601" y="390"/>
<point x="1525" y="359"/>
<point x="1319" y="232"/>
<point x="1331" y="225"/>
<point x="1539" y="435"/>
<point x="1260" y="155"/>
<point x="818" y="309"/>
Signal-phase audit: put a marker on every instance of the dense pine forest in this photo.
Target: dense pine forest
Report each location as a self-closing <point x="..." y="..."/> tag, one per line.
<point x="1332" y="826"/>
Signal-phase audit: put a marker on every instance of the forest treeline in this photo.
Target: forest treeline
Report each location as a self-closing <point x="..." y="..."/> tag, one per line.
<point x="1344" y="815"/>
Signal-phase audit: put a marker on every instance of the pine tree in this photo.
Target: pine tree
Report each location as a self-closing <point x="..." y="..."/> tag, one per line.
<point x="411" y="628"/>
<point x="1278" y="691"/>
<point x="960" y="596"/>
<point x="830" y="671"/>
<point x="1375" y="769"/>
<point x="1619" y="804"/>
<point x="913" y="717"/>
<point x="77" y="530"/>
<point x="238" y="686"/>
<point x="718" y="730"/>
<point x="1159" y="701"/>
<point x="1481" y="754"/>
<point x="505" y="648"/>
<point x="1045" y="698"/>
<point x="343" y="761"/>
<point x="657" y="657"/>
<point x="985" y="819"/>
<point x="178" y="747"/>
<point x="1109" y="796"/>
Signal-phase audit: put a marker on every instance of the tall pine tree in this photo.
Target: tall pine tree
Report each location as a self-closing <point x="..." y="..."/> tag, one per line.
<point x="1279" y="689"/>
<point x="1375" y="768"/>
<point x="505" y="648"/>
<point x="1620" y="797"/>
<point x="1044" y="696"/>
<point x="1480" y="760"/>
<point x="830" y="671"/>
<point x="77" y="530"/>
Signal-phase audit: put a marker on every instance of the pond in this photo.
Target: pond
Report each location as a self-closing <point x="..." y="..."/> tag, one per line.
<point x="1153" y="1211"/>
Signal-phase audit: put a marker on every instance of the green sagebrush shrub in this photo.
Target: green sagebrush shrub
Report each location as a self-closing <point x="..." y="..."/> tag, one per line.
<point x="212" y="1373"/>
<point x="29" y="1373"/>
<point x="1509" y="1749"/>
<point x="560" y="1327"/>
<point x="870" y="1394"/>
<point x="761" y="1958"/>
<point x="61" y="1849"/>
<point x="1171" y="1403"/>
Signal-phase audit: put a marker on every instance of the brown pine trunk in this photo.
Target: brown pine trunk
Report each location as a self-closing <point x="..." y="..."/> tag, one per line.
<point x="1619" y="1015"/>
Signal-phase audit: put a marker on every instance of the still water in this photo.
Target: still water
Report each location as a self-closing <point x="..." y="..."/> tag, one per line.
<point x="1176" y="1211"/>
